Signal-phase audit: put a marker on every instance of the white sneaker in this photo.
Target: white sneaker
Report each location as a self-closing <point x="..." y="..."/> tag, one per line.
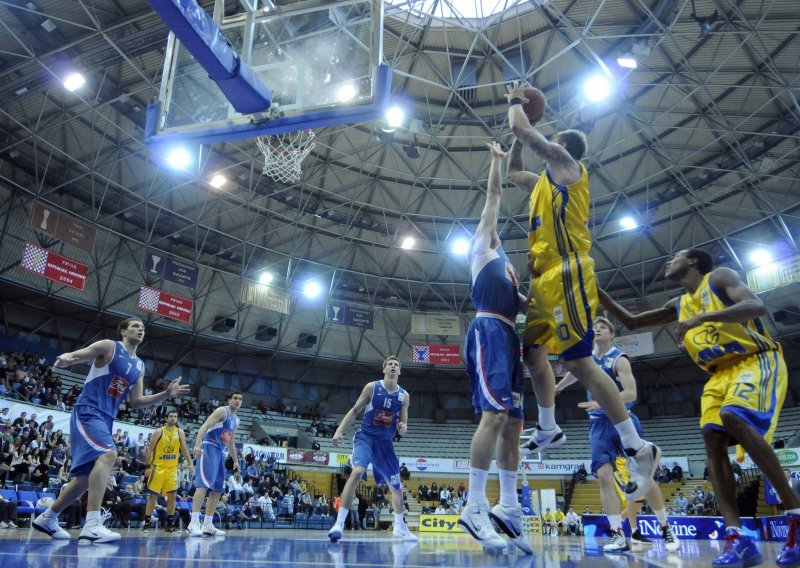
<point x="540" y="440"/>
<point x="211" y="530"/>
<point x="3" y="525"/>
<point x="402" y="532"/>
<point x="618" y="543"/>
<point x="642" y="466"/>
<point x="671" y="543"/>
<point x="475" y="521"/>
<point x="50" y="526"/>
<point x="509" y="520"/>
<point x="12" y="525"/>
<point x="195" y="529"/>
<point x="336" y="532"/>
<point x="97" y="533"/>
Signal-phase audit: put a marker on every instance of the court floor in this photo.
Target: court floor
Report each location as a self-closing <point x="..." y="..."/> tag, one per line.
<point x="300" y="549"/>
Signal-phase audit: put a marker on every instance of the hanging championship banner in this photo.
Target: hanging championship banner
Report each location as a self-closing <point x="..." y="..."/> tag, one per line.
<point x="435" y="324"/>
<point x="54" y="266"/>
<point x="165" y="304"/>
<point x="345" y="314"/>
<point x="436" y="354"/>
<point x="65" y="228"/>
<point x="265" y="297"/>
<point x="158" y="264"/>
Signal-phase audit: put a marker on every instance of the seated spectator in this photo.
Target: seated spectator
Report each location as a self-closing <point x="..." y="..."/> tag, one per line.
<point x="558" y="519"/>
<point x="677" y="472"/>
<point x="8" y="514"/>
<point x="580" y="475"/>
<point x="440" y="510"/>
<point x="573" y="523"/>
<point x="547" y="522"/>
<point x="235" y="488"/>
<point x="681" y="503"/>
<point x="422" y="492"/>
<point x="404" y="473"/>
<point x="227" y="513"/>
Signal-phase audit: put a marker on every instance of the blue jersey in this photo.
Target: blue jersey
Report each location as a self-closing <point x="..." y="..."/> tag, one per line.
<point x="493" y="285"/>
<point x="222" y="432"/>
<point x="382" y="412"/>
<point x="106" y="387"/>
<point x="608" y="362"/>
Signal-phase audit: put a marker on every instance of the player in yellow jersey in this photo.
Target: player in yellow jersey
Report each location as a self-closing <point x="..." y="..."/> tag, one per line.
<point x="721" y="330"/>
<point x="162" y="472"/>
<point x="563" y="296"/>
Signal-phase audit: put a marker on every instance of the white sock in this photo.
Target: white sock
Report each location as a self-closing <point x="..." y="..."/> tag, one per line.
<point x="92" y="517"/>
<point x="793" y="511"/>
<point x="398" y="519"/>
<point x="508" y="488"/>
<point x="547" y="417"/>
<point x="50" y="513"/>
<point x="342" y="516"/>
<point x="195" y="517"/>
<point x="207" y="519"/>
<point x="661" y="515"/>
<point x="477" y="486"/>
<point x="615" y="521"/>
<point x="628" y="436"/>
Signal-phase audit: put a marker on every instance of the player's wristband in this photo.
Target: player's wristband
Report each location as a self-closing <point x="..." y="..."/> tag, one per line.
<point x="515" y="101"/>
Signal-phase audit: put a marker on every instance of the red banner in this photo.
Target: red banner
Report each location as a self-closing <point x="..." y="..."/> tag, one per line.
<point x="165" y="304"/>
<point x="307" y="457"/>
<point x="436" y="354"/>
<point x="54" y="266"/>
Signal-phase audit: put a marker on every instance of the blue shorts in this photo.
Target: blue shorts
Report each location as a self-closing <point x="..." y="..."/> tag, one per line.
<point x="380" y="453"/>
<point x="209" y="471"/>
<point x="89" y="438"/>
<point x="605" y="442"/>
<point x="492" y="353"/>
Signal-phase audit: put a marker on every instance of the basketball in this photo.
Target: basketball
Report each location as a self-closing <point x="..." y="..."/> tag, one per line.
<point x="535" y="106"/>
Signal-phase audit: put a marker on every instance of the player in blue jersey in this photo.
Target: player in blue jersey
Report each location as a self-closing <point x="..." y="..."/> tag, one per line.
<point x="385" y="405"/>
<point x="492" y="353"/>
<point x="216" y="433"/>
<point x="116" y="374"/>
<point x="608" y="455"/>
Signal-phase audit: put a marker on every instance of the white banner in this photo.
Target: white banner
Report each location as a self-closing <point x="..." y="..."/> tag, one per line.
<point x="635" y="345"/>
<point x="435" y="324"/>
<point x="265" y="297"/>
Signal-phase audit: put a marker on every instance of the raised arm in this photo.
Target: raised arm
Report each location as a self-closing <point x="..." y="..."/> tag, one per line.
<point x="668" y="313"/>
<point x="486" y="237"/>
<point x="100" y="352"/>
<point x="516" y="174"/>
<point x="361" y="403"/>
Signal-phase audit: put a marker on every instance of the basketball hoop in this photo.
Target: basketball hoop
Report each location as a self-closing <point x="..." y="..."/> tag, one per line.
<point x="283" y="153"/>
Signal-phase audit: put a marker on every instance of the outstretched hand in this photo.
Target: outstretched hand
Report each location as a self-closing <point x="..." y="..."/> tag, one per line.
<point x="176" y="389"/>
<point x="66" y="359"/>
<point x="516" y="90"/>
<point x="496" y="150"/>
<point x="337" y="439"/>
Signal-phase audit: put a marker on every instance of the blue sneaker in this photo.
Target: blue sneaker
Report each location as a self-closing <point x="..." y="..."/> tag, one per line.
<point x="790" y="554"/>
<point x="740" y="552"/>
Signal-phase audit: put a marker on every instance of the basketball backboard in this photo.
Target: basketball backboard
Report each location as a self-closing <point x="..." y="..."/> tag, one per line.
<point x="321" y="60"/>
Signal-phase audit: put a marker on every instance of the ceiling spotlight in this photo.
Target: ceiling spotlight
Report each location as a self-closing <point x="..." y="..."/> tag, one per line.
<point x="760" y="257"/>
<point x="179" y="158"/>
<point x="74" y="81"/>
<point x="460" y="246"/>
<point x="597" y="88"/>
<point x="346" y="93"/>
<point x="265" y="278"/>
<point x="628" y="223"/>
<point x="218" y="181"/>
<point x="705" y="23"/>
<point x="627" y="60"/>
<point x="312" y="289"/>
<point x="395" y="117"/>
<point x="408" y="243"/>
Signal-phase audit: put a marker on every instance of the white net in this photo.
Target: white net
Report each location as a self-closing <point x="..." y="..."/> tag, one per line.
<point x="283" y="153"/>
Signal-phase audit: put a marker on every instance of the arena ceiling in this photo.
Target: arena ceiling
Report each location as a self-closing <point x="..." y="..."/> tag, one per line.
<point x="699" y="144"/>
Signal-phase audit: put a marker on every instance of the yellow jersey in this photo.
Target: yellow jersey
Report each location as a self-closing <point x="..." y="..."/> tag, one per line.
<point x="717" y="345"/>
<point x="559" y="220"/>
<point x="165" y="454"/>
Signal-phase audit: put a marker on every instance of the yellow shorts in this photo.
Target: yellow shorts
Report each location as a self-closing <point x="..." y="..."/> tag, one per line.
<point x="621" y="478"/>
<point x="753" y="389"/>
<point x="562" y="307"/>
<point x="163" y="480"/>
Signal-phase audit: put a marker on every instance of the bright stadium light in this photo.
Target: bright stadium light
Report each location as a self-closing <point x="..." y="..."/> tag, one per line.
<point x="346" y="93"/>
<point x="597" y="88"/>
<point x="218" y="180"/>
<point x="628" y="61"/>
<point x="408" y="243"/>
<point x="265" y="278"/>
<point x="460" y="246"/>
<point x="312" y="289"/>
<point x="395" y="117"/>
<point x="628" y="223"/>
<point x="179" y="158"/>
<point x="760" y="257"/>
<point x="74" y="81"/>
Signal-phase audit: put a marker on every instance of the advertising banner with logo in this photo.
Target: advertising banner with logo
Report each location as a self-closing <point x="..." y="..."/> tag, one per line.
<point x="307" y="457"/>
<point x="264" y="451"/>
<point x="54" y="266"/>
<point x="636" y="344"/>
<point x="698" y="528"/>
<point x="776" y="527"/>
<point x="770" y="494"/>
<point x="531" y="525"/>
<point x="438" y="523"/>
